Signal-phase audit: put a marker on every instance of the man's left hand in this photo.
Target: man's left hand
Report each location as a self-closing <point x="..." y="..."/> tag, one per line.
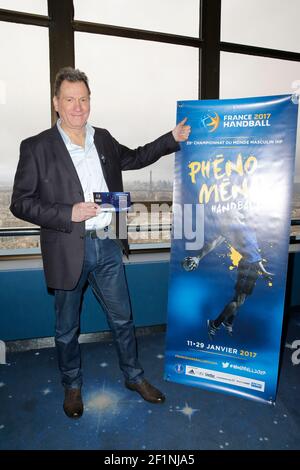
<point x="181" y="132"/>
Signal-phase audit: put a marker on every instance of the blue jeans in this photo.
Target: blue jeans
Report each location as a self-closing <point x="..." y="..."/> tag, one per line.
<point x="103" y="270"/>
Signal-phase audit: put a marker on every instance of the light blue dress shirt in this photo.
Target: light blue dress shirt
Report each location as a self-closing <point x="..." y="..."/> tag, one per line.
<point x="89" y="170"/>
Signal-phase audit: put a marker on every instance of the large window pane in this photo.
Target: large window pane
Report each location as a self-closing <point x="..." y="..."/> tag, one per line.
<point x="244" y="75"/>
<point x="24" y="103"/>
<point x="168" y="16"/>
<point x="263" y="23"/>
<point x="39" y="7"/>
<point x="135" y="86"/>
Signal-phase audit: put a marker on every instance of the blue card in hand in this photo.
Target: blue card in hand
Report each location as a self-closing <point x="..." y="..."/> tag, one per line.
<point x="113" y="201"/>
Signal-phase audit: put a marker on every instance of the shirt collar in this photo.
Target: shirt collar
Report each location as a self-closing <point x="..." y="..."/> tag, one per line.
<point x="89" y="134"/>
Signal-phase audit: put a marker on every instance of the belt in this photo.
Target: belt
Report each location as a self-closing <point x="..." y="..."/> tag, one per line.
<point x="97" y="233"/>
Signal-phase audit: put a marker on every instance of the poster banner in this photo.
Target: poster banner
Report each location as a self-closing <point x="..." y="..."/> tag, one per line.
<point x="232" y="203"/>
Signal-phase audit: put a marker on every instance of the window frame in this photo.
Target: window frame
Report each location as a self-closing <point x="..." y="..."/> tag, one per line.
<point x="62" y="27"/>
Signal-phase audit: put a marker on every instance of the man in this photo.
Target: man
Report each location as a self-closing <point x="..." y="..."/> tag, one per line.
<point x="240" y="235"/>
<point x="58" y="172"/>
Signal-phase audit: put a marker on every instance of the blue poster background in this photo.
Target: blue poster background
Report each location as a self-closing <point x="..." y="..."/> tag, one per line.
<point x="233" y="179"/>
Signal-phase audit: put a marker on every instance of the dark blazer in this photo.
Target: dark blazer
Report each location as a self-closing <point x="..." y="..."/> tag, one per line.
<point x="47" y="186"/>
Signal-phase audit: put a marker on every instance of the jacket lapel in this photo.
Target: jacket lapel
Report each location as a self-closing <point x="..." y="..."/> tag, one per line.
<point x="64" y="156"/>
<point x="102" y="157"/>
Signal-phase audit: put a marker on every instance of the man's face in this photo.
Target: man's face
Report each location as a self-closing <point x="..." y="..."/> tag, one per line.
<point x="72" y="105"/>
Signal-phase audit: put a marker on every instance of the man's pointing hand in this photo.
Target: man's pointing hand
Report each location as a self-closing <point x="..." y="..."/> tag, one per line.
<point x="181" y="132"/>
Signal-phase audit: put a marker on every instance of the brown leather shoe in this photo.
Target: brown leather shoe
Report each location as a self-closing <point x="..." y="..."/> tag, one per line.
<point x="147" y="391"/>
<point x="73" y="406"/>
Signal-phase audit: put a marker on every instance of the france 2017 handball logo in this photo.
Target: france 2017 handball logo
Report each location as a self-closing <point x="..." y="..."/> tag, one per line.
<point x="210" y="121"/>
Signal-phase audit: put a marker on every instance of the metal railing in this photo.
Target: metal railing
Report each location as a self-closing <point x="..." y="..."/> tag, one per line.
<point x="35" y="231"/>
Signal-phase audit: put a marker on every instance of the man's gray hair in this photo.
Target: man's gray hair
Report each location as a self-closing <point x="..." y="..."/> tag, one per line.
<point x="71" y="75"/>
